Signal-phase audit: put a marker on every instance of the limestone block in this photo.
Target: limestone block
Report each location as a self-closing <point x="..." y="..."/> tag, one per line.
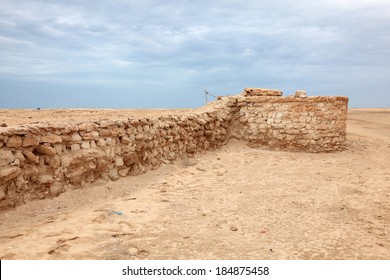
<point x="6" y="157"/>
<point x="123" y="172"/>
<point x="93" y="144"/>
<point x="111" y="152"/>
<point x="300" y="94"/>
<point x="45" y="179"/>
<point x="75" y="137"/>
<point x="130" y="158"/>
<point x="113" y="174"/>
<point x="19" y="155"/>
<point x="66" y="138"/>
<point x="110" y="141"/>
<point x="9" y="173"/>
<point x="59" y="149"/>
<point x="139" y="136"/>
<point x="46" y="150"/>
<point x="14" y="142"/>
<point x="91" y="135"/>
<point x="53" y="161"/>
<point x="146" y="127"/>
<point x="51" y="138"/>
<point x="88" y="127"/>
<point x="125" y="140"/>
<point x="129" y="130"/>
<point x="293" y="131"/>
<point x="120" y="131"/>
<point x="29" y="141"/>
<point x="75" y="147"/>
<point x="105" y="132"/>
<point x="300" y="125"/>
<point x="119" y="161"/>
<point x="149" y="145"/>
<point x="56" y="188"/>
<point x="101" y="142"/>
<point x="30" y="156"/>
<point x="85" y="145"/>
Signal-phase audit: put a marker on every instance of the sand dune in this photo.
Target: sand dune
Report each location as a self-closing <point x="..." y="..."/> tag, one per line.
<point x="232" y="203"/>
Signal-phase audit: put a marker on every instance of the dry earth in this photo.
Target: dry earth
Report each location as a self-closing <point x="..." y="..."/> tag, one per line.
<point x="232" y="203"/>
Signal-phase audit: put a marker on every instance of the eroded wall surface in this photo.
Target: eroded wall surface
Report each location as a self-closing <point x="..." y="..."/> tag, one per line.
<point x="44" y="160"/>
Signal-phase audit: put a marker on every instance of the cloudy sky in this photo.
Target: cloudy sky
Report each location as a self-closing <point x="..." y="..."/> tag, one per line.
<point x="150" y="53"/>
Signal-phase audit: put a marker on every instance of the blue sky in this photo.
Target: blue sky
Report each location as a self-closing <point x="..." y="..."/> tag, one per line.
<point x="163" y="54"/>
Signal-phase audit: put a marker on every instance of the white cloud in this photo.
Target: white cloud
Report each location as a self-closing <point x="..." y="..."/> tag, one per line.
<point x="228" y="42"/>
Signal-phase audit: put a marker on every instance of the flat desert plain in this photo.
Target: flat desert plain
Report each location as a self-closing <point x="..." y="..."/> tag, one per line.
<point x="232" y="203"/>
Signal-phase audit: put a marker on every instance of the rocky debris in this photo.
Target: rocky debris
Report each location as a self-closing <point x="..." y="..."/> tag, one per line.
<point x="46" y="179"/>
<point x="56" y="188"/>
<point x="300" y="94"/>
<point x="113" y="174"/>
<point x="262" y="92"/>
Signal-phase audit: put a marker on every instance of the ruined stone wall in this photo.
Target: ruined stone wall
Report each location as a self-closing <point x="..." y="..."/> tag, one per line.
<point x="45" y="160"/>
<point x="311" y="124"/>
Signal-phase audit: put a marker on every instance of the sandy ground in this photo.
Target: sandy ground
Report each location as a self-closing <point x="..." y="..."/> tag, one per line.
<point x="232" y="203"/>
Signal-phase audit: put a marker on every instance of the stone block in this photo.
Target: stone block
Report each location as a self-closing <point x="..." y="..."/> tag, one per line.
<point x="75" y="147"/>
<point x="119" y="161"/>
<point x="113" y="174"/>
<point x="46" y="150"/>
<point x="45" y="179"/>
<point x="14" y="142"/>
<point x="75" y="137"/>
<point x="85" y="145"/>
<point x="30" y="156"/>
<point x="123" y="172"/>
<point x="105" y="132"/>
<point x="9" y="173"/>
<point x="101" y="142"/>
<point x="56" y="188"/>
<point x="29" y="141"/>
<point x="51" y="138"/>
<point x="6" y="157"/>
<point x="139" y="136"/>
<point x="293" y="131"/>
<point x="300" y="94"/>
<point x="88" y="127"/>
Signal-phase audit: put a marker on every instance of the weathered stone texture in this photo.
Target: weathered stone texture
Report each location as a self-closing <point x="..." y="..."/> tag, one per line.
<point x="262" y="92"/>
<point x="40" y="161"/>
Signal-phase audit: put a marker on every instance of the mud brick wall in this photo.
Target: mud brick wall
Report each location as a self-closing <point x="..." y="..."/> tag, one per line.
<point x="44" y="160"/>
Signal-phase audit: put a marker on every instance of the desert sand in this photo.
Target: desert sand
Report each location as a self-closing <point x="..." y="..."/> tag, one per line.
<point x="236" y="202"/>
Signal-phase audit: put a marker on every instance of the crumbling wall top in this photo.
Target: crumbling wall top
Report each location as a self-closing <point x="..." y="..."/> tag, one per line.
<point x="261" y="92"/>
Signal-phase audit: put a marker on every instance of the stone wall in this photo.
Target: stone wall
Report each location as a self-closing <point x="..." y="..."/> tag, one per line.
<point x="46" y="159"/>
<point x="312" y="124"/>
